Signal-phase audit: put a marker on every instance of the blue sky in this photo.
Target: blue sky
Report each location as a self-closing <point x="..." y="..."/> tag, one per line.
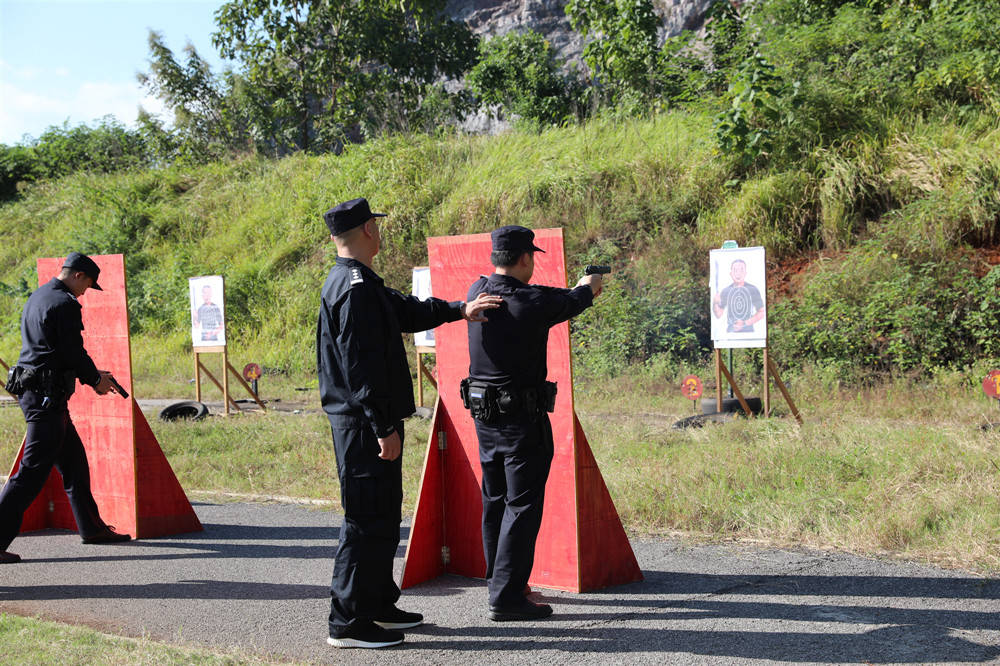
<point x="76" y="60"/>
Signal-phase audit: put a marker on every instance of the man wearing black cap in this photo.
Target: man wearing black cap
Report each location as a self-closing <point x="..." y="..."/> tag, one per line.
<point x="509" y="397"/>
<point x="52" y="359"/>
<point x="366" y="391"/>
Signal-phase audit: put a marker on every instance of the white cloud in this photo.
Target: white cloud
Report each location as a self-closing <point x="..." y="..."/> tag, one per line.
<point x="24" y="112"/>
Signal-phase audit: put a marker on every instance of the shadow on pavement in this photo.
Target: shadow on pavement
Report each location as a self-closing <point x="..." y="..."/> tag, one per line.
<point x="666" y="582"/>
<point x="901" y="644"/>
<point x="185" y="589"/>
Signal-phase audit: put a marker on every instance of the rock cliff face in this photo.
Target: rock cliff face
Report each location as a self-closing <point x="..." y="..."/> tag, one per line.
<point x="548" y="17"/>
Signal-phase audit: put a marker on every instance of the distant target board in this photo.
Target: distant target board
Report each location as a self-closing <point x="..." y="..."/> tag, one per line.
<point x="208" y="311"/>
<point x="738" y="297"/>
<point x="422" y="290"/>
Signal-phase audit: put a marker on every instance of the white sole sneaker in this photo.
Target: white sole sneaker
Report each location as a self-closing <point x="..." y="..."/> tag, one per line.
<point x="358" y="643"/>
<point x="399" y="625"/>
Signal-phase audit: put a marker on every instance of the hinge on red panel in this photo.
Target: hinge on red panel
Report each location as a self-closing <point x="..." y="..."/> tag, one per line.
<point x="442" y="440"/>
<point x="445" y="555"/>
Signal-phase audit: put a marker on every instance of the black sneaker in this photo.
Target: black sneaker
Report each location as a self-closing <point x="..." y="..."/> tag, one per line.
<point x="393" y="618"/>
<point x="527" y="610"/>
<point x="107" y="535"/>
<point x="366" y="635"/>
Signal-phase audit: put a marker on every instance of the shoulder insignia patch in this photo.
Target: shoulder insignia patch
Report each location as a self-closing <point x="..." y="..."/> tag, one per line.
<point x="356" y="276"/>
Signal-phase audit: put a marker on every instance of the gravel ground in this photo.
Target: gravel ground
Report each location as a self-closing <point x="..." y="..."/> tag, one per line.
<point x="257" y="578"/>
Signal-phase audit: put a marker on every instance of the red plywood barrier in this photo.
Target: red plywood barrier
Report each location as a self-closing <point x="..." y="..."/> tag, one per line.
<point x="133" y="485"/>
<point x="581" y="545"/>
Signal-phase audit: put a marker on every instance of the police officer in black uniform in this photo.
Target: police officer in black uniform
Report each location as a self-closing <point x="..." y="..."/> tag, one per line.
<point x="366" y="391"/>
<point x="52" y="359"/>
<point x="509" y="397"/>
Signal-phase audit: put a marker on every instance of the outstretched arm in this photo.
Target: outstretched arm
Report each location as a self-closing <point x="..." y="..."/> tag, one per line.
<point x="473" y="310"/>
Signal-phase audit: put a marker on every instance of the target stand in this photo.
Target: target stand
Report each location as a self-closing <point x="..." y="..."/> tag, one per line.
<point x="227" y="369"/>
<point x="738" y="315"/>
<point x="770" y="372"/>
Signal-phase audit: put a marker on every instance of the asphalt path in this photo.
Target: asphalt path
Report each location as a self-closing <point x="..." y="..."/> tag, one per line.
<point x="257" y="578"/>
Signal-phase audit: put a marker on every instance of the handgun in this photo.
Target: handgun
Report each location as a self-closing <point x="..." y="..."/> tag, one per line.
<point x="596" y="270"/>
<point x="118" y="387"/>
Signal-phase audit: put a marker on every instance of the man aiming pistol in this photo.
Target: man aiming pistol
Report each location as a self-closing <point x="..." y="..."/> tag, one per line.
<point x="52" y="360"/>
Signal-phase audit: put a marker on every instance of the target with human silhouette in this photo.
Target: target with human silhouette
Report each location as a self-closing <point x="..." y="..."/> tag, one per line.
<point x="738" y="303"/>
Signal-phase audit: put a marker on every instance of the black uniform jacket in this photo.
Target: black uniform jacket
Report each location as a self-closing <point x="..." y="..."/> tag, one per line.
<point x="363" y="375"/>
<point x="510" y="347"/>
<point x="52" y="333"/>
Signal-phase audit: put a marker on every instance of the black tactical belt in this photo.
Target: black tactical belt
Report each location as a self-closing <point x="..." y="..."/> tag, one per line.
<point x="488" y="402"/>
<point x="51" y="383"/>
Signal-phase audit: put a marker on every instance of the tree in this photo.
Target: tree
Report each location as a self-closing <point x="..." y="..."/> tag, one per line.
<point x="60" y="150"/>
<point x="325" y="68"/>
<point x="212" y="114"/>
<point x="18" y="164"/>
<point x="520" y="74"/>
<point x="622" y="52"/>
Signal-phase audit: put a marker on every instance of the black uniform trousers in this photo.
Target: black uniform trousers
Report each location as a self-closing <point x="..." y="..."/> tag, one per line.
<point x="51" y="440"/>
<point x="371" y="493"/>
<point x="516" y="457"/>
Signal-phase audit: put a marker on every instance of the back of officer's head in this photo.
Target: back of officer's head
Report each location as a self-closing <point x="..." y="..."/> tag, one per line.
<point x="505" y="258"/>
<point x="510" y="243"/>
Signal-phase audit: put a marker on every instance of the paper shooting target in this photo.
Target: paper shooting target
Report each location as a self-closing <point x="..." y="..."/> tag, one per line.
<point x="740" y="303"/>
<point x="738" y="293"/>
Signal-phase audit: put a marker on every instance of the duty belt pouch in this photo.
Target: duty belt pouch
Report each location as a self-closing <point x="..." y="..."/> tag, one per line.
<point x="480" y="399"/>
<point x="13" y="385"/>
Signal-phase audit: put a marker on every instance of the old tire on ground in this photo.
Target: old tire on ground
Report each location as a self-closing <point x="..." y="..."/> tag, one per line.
<point x="186" y="409"/>
<point x="731" y="405"/>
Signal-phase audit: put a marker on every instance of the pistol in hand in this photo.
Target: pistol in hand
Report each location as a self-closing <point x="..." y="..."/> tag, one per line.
<point x="119" y="389"/>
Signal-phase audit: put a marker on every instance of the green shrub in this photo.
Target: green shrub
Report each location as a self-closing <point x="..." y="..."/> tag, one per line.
<point x="519" y="73"/>
<point x="885" y="312"/>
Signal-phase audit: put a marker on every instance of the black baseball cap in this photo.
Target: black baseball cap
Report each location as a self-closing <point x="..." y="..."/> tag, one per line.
<point x="513" y="238"/>
<point x="81" y="262"/>
<point x="344" y="217"/>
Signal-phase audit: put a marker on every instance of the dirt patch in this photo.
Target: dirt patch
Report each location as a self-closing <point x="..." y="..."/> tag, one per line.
<point x="986" y="259"/>
<point x="786" y="276"/>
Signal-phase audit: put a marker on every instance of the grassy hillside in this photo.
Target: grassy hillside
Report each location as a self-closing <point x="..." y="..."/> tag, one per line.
<point x="648" y="196"/>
